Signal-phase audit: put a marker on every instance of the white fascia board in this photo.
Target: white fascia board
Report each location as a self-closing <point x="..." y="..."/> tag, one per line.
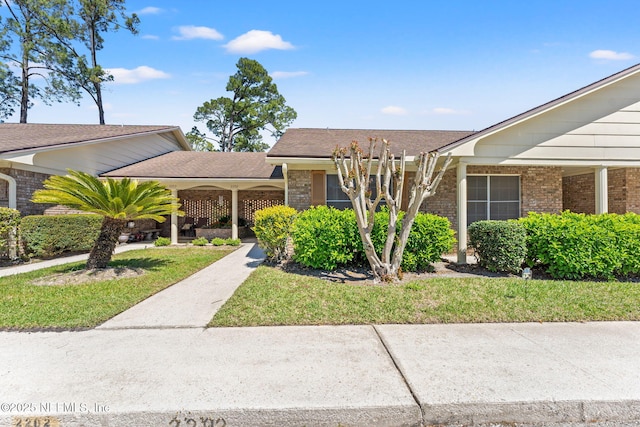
<point x="466" y="149"/>
<point x="33" y="151"/>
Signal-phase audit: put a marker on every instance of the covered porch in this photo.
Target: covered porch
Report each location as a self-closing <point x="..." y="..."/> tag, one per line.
<point x="213" y="188"/>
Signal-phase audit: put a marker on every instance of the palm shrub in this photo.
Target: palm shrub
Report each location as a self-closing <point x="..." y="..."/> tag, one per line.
<point x="499" y="245"/>
<point x="118" y="201"/>
<point x="272" y="227"/>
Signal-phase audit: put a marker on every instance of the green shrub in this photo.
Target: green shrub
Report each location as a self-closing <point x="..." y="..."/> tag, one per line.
<point x="430" y="237"/>
<point x="217" y="241"/>
<point x="325" y="237"/>
<point x="9" y="223"/>
<point x="499" y="245"/>
<point x="162" y="241"/>
<point x="232" y="242"/>
<point x="272" y="228"/>
<point x="200" y="241"/>
<point x="576" y="246"/>
<point x="51" y="235"/>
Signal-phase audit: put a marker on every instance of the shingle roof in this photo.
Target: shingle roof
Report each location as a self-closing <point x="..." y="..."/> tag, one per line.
<point x="29" y="136"/>
<point x="319" y="143"/>
<point x="197" y="164"/>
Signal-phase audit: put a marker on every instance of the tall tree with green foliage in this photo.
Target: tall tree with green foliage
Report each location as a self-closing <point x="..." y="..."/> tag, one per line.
<point x="255" y="106"/>
<point x="118" y="201"/>
<point x="96" y="18"/>
<point x="29" y="43"/>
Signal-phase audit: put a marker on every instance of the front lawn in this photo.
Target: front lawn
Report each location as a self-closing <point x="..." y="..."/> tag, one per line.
<point x="273" y="297"/>
<point x="27" y="305"/>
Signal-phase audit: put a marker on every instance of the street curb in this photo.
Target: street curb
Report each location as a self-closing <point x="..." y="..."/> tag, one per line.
<point x="532" y="412"/>
<point x="396" y="416"/>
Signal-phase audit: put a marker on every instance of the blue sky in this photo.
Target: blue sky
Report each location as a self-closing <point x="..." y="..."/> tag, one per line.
<point x="421" y="64"/>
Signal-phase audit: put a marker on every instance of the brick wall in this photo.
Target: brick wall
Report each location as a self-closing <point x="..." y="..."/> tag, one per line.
<point x="26" y="182"/>
<point x="540" y="190"/>
<point x="633" y="190"/>
<point x="299" y="189"/>
<point x="579" y="194"/>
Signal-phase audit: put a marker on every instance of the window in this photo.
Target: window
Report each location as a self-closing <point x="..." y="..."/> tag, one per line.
<point x="492" y="197"/>
<point x="338" y="199"/>
<point x="335" y="196"/>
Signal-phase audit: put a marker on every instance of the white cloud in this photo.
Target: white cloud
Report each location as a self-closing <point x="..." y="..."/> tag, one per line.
<point x="288" y="74"/>
<point x="393" y="110"/>
<point x="610" y="55"/>
<point x="257" y="40"/>
<point x="136" y="75"/>
<point x="150" y="10"/>
<point x="150" y="37"/>
<point x="190" y="32"/>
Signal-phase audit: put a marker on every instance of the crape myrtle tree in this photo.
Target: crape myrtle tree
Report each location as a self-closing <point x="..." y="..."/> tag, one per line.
<point x="356" y="169"/>
<point x="236" y="122"/>
<point x="118" y="201"/>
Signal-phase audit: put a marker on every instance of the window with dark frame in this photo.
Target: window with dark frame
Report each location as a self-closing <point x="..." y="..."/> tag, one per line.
<point x="494" y="197"/>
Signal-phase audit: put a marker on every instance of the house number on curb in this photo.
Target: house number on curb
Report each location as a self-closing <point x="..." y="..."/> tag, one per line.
<point x="197" y="422"/>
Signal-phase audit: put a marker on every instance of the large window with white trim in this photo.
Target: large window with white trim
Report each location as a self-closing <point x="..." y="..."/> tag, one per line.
<point x="492" y="197"/>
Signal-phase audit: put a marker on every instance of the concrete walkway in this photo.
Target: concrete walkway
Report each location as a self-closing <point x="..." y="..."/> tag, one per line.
<point x="149" y="368"/>
<point x="192" y="302"/>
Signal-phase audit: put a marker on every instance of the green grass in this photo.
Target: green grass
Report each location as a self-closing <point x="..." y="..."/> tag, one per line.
<point x="26" y="306"/>
<point x="272" y="297"/>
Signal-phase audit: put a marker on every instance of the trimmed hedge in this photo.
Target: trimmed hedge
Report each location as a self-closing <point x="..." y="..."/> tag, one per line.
<point x="272" y="227"/>
<point x="327" y="238"/>
<point x="9" y="223"/>
<point x="499" y="245"/>
<point x="51" y="235"/>
<point x="577" y="246"/>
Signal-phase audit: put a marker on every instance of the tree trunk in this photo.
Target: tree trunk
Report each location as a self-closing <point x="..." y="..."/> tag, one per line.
<point x="96" y="84"/>
<point x="105" y="244"/>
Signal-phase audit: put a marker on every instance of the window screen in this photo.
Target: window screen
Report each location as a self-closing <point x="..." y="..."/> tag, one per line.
<point x="492" y="197"/>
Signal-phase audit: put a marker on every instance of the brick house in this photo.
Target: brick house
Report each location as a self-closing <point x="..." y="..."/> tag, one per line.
<point x="579" y="152"/>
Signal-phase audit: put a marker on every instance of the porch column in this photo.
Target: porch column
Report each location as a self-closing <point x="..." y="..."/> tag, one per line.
<point x="461" y="192"/>
<point x="285" y="170"/>
<point x="12" y="190"/>
<point x="602" y="193"/>
<point x="234" y="212"/>
<point x="174" y="221"/>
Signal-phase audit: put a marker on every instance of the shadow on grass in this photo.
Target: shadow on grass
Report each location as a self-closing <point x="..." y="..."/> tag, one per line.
<point x="150" y="264"/>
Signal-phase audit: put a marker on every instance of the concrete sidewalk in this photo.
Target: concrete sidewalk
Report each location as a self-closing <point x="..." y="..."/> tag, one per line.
<point x="156" y="365"/>
<point x="390" y="375"/>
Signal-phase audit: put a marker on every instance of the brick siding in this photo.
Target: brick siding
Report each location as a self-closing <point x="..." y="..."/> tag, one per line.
<point x="26" y="182"/>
